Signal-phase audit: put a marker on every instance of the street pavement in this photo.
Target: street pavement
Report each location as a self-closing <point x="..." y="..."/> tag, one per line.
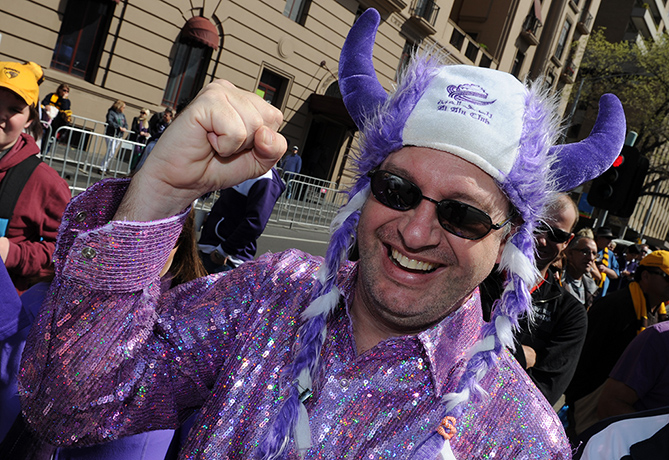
<point x="279" y="237"/>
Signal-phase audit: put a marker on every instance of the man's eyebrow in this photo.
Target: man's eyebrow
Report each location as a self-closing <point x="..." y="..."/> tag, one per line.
<point x="445" y="193"/>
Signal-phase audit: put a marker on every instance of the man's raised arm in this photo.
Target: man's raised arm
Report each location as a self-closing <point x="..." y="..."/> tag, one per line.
<point x="224" y="137"/>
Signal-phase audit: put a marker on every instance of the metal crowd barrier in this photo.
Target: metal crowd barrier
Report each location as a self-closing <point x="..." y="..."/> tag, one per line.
<point x="308" y="201"/>
<point x="78" y="155"/>
<point x="89" y="124"/>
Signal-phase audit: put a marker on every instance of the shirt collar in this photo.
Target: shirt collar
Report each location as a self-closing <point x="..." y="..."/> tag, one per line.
<point x="445" y="344"/>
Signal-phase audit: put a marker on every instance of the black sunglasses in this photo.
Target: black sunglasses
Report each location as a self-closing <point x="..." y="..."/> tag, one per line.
<point x="455" y="217"/>
<point x="554" y="234"/>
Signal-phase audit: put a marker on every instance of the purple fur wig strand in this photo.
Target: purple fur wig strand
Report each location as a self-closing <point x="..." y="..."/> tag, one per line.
<point x="308" y="355"/>
<point x="274" y="444"/>
<point x="341" y="241"/>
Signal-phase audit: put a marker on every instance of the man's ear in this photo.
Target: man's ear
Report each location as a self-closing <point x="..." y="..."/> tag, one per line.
<point x="502" y="244"/>
<point x="504" y="240"/>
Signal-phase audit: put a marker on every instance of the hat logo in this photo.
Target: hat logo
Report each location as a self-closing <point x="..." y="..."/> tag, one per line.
<point x="11" y="73"/>
<point x="464" y="99"/>
<point x="470" y="93"/>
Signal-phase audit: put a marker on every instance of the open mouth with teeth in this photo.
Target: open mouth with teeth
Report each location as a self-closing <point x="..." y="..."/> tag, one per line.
<point x="417" y="266"/>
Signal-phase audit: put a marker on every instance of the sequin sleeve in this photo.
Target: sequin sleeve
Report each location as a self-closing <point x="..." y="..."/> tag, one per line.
<point x="104" y="358"/>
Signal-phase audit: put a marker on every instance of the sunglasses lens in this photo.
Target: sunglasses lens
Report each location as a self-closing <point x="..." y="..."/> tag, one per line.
<point x="395" y="191"/>
<point x="463" y="220"/>
<point x="455" y="217"/>
<point x="554" y="234"/>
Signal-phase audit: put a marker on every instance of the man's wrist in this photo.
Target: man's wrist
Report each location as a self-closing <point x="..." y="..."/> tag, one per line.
<point x="147" y="200"/>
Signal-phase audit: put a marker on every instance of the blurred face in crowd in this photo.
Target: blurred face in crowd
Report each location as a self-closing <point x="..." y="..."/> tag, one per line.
<point x="580" y="256"/>
<point x="14" y="118"/>
<point x="554" y="236"/>
<point x="603" y="242"/>
<point x="167" y="116"/>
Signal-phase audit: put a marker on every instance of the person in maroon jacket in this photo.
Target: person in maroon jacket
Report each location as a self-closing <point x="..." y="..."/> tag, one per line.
<point x="29" y="238"/>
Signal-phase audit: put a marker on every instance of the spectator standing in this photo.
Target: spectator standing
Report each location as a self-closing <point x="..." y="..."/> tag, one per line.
<point x="157" y="125"/>
<point x="613" y="322"/>
<point x="581" y="273"/>
<point x="291" y="165"/>
<point x="141" y="134"/>
<point x="28" y="234"/>
<point x="607" y="263"/>
<point x="60" y="100"/>
<point x="291" y="343"/>
<point x="117" y="125"/>
<point x="236" y="220"/>
<point x="292" y="162"/>
<point x="159" y="122"/>
<point x="631" y="259"/>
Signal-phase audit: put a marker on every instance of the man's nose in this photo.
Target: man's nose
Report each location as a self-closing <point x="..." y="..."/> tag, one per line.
<point x="420" y="227"/>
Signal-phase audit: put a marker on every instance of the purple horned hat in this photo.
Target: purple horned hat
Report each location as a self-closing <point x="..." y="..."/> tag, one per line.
<point x="488" y="118"/>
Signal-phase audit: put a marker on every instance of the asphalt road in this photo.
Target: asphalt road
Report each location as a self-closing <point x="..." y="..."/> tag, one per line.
<point x="278" y="238"/>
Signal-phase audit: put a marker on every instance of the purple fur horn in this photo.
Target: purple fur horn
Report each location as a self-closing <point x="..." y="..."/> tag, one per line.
<point x="583" y="161"/>
<point x="358" y="84"/>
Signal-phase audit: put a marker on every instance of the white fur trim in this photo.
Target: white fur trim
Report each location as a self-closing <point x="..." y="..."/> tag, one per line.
<point x="454" y="399"/>
<point x="504" y="331"/>
<point x="446" y="453"/>
<point x="322" y="305"/>
<point x="486" y="344"/>
<point x="514" y="261"/>
<point x="353" y="205"/>
<point x="302" y="433"/>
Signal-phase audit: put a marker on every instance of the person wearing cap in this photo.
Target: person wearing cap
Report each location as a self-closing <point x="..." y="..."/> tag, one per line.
<point x="607" y="263"/>
<point x="292" y="162"/>
<point x="629" y="264"/>
<point x="613" y="322"/>
<point x="29" y="237"/>
<point x="295" y="356"/>
<point x="60" y="100"/>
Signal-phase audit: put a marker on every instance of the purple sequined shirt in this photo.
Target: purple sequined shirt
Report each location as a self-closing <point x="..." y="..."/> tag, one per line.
<point x="109" y="356"/>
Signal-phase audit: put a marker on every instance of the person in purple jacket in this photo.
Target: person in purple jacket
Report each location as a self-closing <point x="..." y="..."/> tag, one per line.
<point x="294" y="356"/>
<point x="236" y="220"/>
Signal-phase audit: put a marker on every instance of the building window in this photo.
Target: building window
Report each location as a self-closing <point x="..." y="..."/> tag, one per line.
<point x="272" y="87"/>
<point x="404" y="58"/>
<point x="457" y="39"/>
<point x="518" y="64"/>
<point x="81" y="37"/>
<point x="297" y="10"/>
<point x="188" y="72"/>
<point x="472" y="51"/>
<point x="485" y="61"/>
<point x="559" y="51"/>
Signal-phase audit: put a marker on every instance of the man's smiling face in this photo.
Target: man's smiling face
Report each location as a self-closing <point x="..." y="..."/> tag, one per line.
<point x="412" y="272"/>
